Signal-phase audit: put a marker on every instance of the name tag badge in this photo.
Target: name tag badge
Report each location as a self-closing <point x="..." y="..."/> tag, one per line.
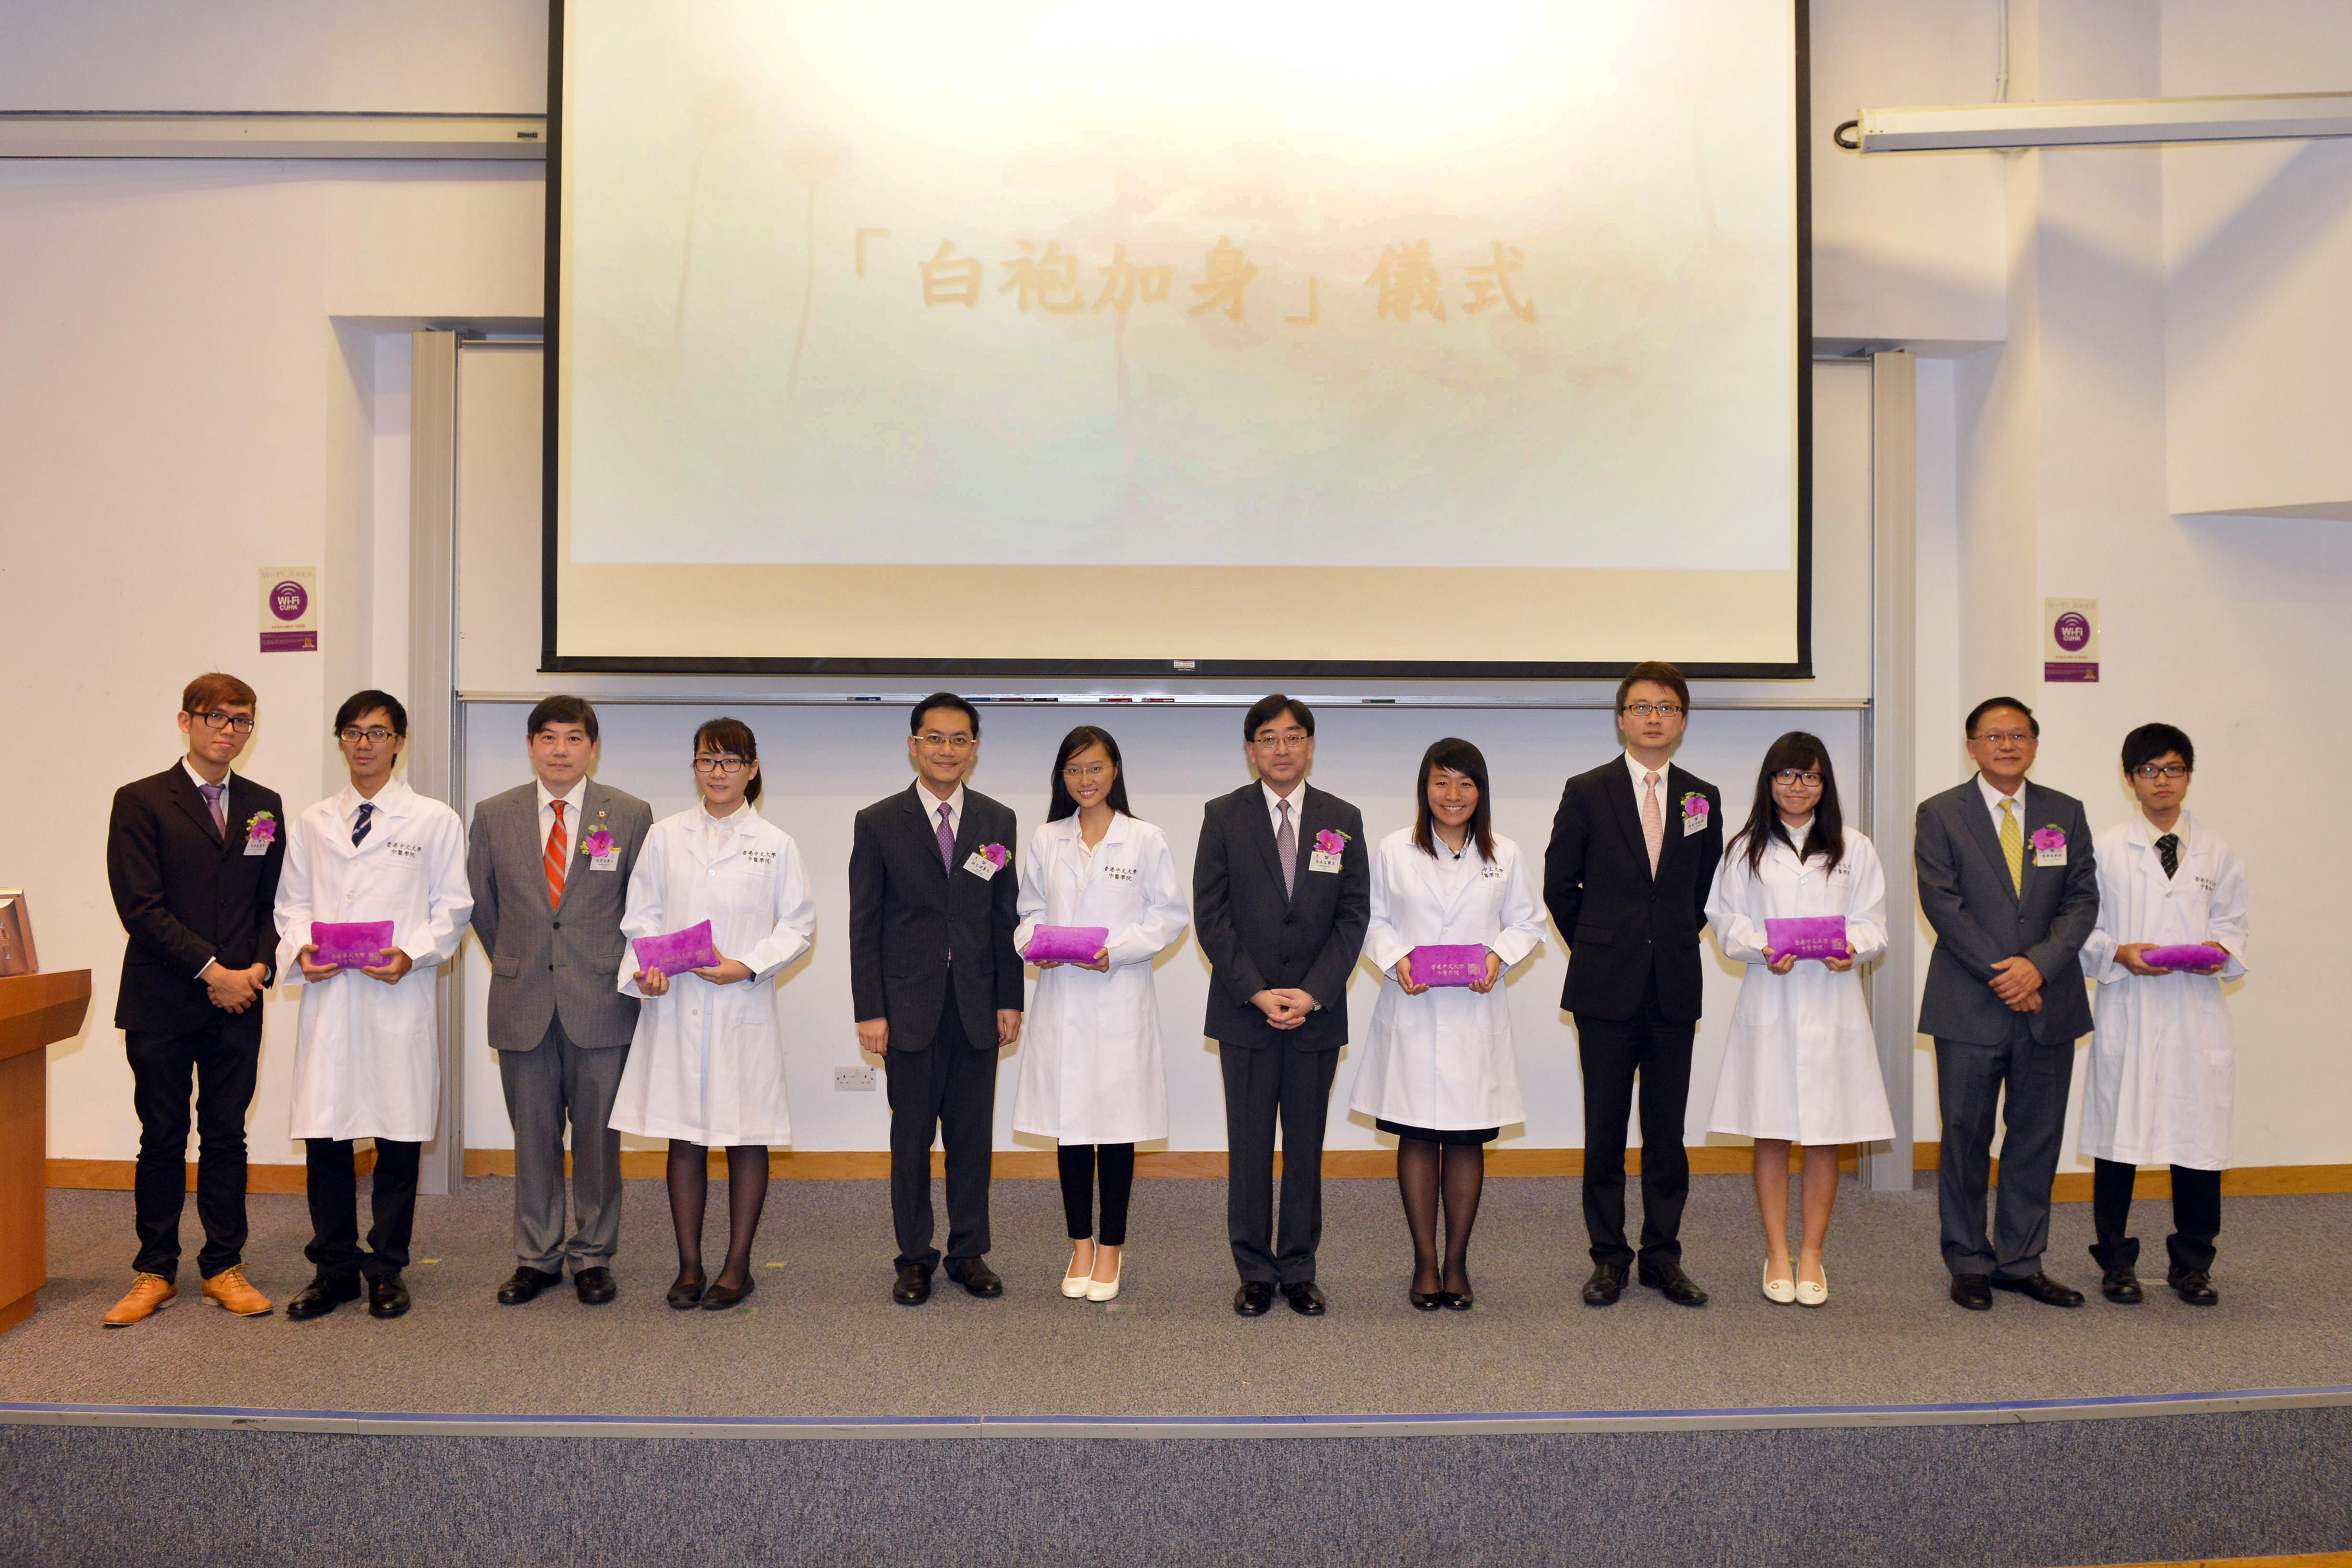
<point x="981" y="865"/>
<point x="1694" y="824"/>
<point x="256" y="846"/>
<point x="608" y="861"/>
<point x="1322" y="860"/>
<point x="2050" y="857"/>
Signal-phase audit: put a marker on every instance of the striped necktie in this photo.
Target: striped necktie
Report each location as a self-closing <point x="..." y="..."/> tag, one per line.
<point x="555" y="856"/>
<point x="360" y="826"/>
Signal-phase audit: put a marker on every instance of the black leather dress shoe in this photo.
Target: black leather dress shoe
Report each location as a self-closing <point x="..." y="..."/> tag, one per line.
<point x="1254" y="1299"/>
<point x="1425" y="1300"/>
<point x="322" y="1295"/>
<point x="2121" y="1286"/>
<point x="1608" y="1283"/>
<point x="2041" y="1288"/>
<point x="594" y="1286"/>
<point x="718" y="1297"/>
<point x="684" y="1295"/>
<point x="913" y="1286"/>
<point x="1973" y="1291"/>
<point x="524" y="1284"/>
<point x="976" y="1277"/>
<point x="387" y="1296"/>
<point x="1305" y="1299"/>
<point x="1457" y="1300"/>
<point x="1674" y="1285"/>
<point x="2193" y="1286"/>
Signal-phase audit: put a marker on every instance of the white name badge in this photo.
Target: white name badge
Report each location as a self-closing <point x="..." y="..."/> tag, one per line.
<point x="2050" y="857"/>
<point x="1322" y="860"/>
<point x="256" y="846"/>
<point x="608" y="861"/>
<point x="981" y="867"/>
<point x="1694" y="824"/>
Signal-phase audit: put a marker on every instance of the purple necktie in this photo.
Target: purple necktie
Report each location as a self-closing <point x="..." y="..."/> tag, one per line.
<point x="212" y="793"/>
<point x="947" y="841"/>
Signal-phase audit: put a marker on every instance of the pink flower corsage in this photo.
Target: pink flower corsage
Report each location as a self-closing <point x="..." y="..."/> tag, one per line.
<point x="1330" y="841"/>
<point x="1695" y="807"/>
<point x="597" y="841"/>
<point x="995" y="853"/>
<point x="261" y="828"/>
<point x="2048" y="840"/>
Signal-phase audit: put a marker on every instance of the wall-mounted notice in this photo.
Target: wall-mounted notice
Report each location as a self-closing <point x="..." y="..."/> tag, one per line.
<point x="290" y="609"/>
<point x="2070" y="643"/>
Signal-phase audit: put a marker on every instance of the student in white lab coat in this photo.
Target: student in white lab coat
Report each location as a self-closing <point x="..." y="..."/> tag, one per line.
<point x="1438" y="1068"/>
<point x="2162" y="1068"/>
<point x="706" y="1068"/>
<point x="1801" y="1064"/>
<point x="1091" y="1072"/>
<point x="367" y="1052"/>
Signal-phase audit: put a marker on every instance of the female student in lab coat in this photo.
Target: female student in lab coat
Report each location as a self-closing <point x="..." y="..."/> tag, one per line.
<point x="1091" y="1073"/>
<point x="367" y="1052"/>
<point x="1801" y="1064"/>
<point x="1438" y="1067"/>
<point x="2159" y="1086"/>
<point x="706" y="1066"/>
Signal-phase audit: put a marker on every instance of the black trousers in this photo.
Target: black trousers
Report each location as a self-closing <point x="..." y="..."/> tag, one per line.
<point x="949" y="1090"/>
<point x="1076" y="1163"/>
<point x="219" y="1059"/>
<point x="1613" y="1053"/>
<point x="1265" y="1085"/>
<point x="334" y="1186"/>
<point x="2196" y="1216"/>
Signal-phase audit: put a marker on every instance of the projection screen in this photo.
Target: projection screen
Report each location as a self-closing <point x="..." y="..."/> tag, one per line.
<point x="1236" y="337"/>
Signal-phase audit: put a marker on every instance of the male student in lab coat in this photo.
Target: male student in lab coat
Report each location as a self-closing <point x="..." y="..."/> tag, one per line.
<point x="2158" y="1088"/>
<point x="367" y="1054"/>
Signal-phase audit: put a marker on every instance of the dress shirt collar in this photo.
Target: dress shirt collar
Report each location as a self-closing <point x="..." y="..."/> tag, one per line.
<point x="201" y="782"/>
<point x="388" y="802"/>
<point x="571" y="798"/>
<point x="2147" y="832"/>
<point x="1993" y="797"/>
<point x="1642" y="774"/>
<point x="931" y="803"/>
<point x="1296" y="798"/>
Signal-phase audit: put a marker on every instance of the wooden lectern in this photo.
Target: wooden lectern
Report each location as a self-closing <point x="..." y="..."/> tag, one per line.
<point x="35" y="1010"/>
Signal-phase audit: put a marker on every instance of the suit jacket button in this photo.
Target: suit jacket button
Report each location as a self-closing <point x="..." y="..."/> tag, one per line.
<point x="559" y="925"/>
<point x="551" y="969"/>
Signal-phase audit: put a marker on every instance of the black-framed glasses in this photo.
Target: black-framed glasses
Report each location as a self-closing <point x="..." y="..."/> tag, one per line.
<point x="2161" y="771"/>
<point x="1653" y="710"/>
<point x="730" y="766"/>
<point x="1796" y="776"/>
<point x="217" y="718"/>
<point x="375" y="736"/>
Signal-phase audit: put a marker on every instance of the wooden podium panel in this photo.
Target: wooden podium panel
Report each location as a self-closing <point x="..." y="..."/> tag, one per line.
<point x="35" y="1010"/>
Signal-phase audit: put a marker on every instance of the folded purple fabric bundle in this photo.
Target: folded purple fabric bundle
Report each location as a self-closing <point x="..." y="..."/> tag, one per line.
<point x="351" y="945"/>
<point x="1449" y="964"/>
<point x="2184" y="955"/>
<point x="1806" y="936"/>
<point x="1066" y="944"/>
<point x="677" y="951"/>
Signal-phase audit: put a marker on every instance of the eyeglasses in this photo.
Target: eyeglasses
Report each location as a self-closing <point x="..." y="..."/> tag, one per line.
<point x="214" y="718"/>
<point x="1792" y="777"/>
<point x="373" y="737"/>
<point x="2161" y="771"/>
<point x="1653" y="710"/>
<point x="935" y="740"/>
<point x="2004" y="737"/>
<point x="1288" y="740"/>
<point x="727" y="765"/>
<point x="1087" y="775"/>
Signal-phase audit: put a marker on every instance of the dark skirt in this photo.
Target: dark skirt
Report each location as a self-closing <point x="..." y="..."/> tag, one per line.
<point x="1432" y="1135"/>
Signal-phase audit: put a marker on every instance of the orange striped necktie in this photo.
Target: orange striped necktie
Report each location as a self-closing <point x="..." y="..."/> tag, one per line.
<point x="555" y="858"/>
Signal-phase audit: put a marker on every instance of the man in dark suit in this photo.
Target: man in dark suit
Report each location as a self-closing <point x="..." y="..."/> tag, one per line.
<point x="193" y="856"/>
<point x="1281" y="895"/>
<point x="2007" y="878"/>
<point x="1634" y="850"/>
<point x="550" y="863"/>
<point x="937" y="985"/>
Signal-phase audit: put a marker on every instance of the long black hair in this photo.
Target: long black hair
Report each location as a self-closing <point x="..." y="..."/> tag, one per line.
<point x="1459" y="756"/>
<point x="1827" y="837"/>
<point x="1077" y="741"/>
<point x="731" y="736"/>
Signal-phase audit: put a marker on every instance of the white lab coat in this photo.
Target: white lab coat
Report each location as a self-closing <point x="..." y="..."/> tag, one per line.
<point x="2163" y="1072"/>
<point x="1091" y="1070"/>
<point x="1802" y="1062"/>
<point x="1443" y="1060"/>
<point x="707" y="1063"/>
<point x="367" y="1055"/>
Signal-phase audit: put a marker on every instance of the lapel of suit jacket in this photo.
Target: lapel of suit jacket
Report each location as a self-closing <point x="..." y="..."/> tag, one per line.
<point x="922" y="806"/>
<point x="190" y="800"/>
<point x="1621" y="792"/>
<point x="2030" y="811"/>
<point x="1987" y="841"/>
<point x="1671" y="789"/>
<point x="240" y="811"/>
<point x="1261" y="824"/>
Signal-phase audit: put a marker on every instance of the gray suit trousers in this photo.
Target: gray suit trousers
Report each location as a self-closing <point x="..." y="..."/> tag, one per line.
<point x="544" y="1087"/>
<point x="1970" y="1078"/>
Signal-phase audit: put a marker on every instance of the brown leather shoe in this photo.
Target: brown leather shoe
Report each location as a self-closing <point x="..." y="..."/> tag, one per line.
<point x="148" y="1293"/>
<point x="231" y="1290"/>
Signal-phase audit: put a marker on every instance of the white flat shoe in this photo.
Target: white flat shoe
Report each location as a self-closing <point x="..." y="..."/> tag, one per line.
<point x="1782" y="1291"/>
<point x="1104" y="1289"/>
<point x="1811" y="1295"/>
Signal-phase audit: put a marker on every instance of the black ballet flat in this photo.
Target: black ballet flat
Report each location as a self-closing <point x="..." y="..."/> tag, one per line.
<point x="1425" y="1300"/>
<point x="686" y="1298"/>
<point x="1456" y="1300"/>
<point x="718" y="1297"/>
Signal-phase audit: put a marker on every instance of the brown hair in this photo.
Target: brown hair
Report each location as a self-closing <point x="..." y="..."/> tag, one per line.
<point x="209" y="690"/>
<point x="1657" y="672"/>
<point x="723" y="735"/>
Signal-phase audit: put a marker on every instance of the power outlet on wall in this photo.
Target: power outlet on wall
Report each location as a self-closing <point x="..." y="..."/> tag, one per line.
<point x="853" y="1081"/>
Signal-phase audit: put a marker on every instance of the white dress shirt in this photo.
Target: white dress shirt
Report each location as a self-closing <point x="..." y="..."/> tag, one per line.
<point x="571" y="799"/>
<point x="1273" y="803"/>
<point x="931" y="803"/>
<point x="1993" y="798"/>
<point x="1642" y="781"/>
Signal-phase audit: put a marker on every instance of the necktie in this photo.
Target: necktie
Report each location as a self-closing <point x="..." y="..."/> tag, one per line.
<point x="212" y="793"/>
<point x="2167" y="850"/>
<point x="2012" y="846"/>
<point x="556" y="856"/>
<point x="947" y="841"/>
<point x="1654" y="821"/>
<point x="359" y="827"/>
<point x="1286" y="849"/>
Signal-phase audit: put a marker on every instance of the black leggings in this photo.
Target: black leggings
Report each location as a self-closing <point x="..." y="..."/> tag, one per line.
<point x="1078" y="1163"/>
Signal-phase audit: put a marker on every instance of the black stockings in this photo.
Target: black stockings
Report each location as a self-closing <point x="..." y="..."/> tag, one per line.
<point x="1423" y="1168"/>
<point x="690" y="1187"/>
<point x="1077" y="1163"/>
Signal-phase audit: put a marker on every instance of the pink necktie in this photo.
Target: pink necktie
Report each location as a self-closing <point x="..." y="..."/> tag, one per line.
<point x="1654" y="822"/>
<point x="213" y="793"/>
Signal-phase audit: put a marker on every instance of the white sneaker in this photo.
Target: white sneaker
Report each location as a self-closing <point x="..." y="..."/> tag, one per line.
<point x="1781" y="1291"/>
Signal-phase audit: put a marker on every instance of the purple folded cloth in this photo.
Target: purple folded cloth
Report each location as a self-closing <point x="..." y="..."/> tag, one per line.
<point x="1809" y="936"/>
<point x="1448" y="964"/>
<point x="1066" y="944"/>
<point x="2184" y="955"/>
<point x="351" y="945"/>
<point x="677" y="951"/>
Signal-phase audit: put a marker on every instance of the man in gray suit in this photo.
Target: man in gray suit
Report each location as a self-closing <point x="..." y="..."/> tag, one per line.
<point x="549" y="862"/>
<point x="2007" y="880"/>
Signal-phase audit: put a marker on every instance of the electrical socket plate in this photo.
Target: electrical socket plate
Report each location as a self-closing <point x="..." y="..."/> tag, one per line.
<point x="853" y="1081"/>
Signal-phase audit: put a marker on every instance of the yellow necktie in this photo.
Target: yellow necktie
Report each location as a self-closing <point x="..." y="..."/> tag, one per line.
<point x="2012" y="846"/>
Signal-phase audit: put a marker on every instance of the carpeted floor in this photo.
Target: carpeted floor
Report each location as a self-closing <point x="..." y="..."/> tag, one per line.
<point x="822" y="1338"/>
